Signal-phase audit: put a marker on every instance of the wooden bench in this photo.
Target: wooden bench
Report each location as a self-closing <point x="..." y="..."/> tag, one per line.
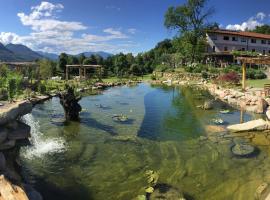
<point x="267" y="89"/>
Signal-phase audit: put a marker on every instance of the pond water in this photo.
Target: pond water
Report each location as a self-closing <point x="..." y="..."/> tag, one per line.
<point x="99" y="158"/>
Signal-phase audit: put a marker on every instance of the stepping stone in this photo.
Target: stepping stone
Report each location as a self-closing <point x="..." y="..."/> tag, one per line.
<point x="255" y="125"/>
<point x="242" y="149"/>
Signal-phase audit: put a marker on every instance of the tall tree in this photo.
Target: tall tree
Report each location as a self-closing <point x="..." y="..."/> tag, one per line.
<point x="190" y="19"/>
<point x="62" y="62"/>
<point x="264" y="29"/>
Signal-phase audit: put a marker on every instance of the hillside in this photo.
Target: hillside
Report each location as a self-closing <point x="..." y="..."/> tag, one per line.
<point x="23" y="53"/>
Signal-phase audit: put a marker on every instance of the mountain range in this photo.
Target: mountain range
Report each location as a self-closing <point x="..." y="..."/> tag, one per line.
<point x="22" y="53"/>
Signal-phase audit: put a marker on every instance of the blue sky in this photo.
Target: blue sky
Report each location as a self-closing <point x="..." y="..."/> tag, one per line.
<point x="109" y="25"/>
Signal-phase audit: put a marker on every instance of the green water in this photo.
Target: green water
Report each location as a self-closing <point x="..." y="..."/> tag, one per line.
<point x="100" y="159"/>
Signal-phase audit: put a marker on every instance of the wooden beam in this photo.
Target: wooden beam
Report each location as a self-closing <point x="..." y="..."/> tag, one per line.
<point x="244" y="67"/>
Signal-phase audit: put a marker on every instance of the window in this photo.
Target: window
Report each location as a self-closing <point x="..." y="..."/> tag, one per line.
<point x="269" y="42"/>
<point x="214" y="49"/>
<point x="234" y="38"/>
<point x="226" y="38"/>
<point x="225" y="48"/>
<point x="263" y="41"/>
<point x="243" y="40"/>
<point x="243" y="49"/>
<point x="253" y="50"/>
<point x="253" y="41"/>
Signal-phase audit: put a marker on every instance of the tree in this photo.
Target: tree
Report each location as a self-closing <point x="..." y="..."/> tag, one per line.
<point x="264" y="29"/>
<point x="81" y="58"/>
<point x="62" y="62"/>
<point x="46" y="69"/>
<point x="190" y="19"/>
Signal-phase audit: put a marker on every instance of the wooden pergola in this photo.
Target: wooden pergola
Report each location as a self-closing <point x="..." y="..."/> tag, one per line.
<point x="258" y="60"/>
<point x="82" y="69"/>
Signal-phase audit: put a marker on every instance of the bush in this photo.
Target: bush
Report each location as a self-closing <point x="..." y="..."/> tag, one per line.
<point x="260" y="75"/>
<point x="153" y="77"/>
<point x="204" y="75"/>
<point x="229" y="78"/>
<point x="12" y="88"/>
<point x="42" y="88"/>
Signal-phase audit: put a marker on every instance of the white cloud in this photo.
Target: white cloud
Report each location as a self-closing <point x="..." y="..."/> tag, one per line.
<point x="250" y="24"/>
<point x="7" y="37"/>
<point x="132" y="30"/>
<point x="260" y="16"/>
<point x="53" y="35"/>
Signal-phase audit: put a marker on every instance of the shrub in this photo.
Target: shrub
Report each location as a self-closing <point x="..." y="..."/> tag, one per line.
<point x="42" y="88"/>
<point x="12" y="88"/>
<point x="229" y="78"/>
<point x="153" y="77"/>
<point x="204" y="75"/>
<point x="260" y="75"/>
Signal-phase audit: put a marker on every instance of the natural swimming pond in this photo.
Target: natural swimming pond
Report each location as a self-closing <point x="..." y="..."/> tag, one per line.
<point x="99" y="158"/>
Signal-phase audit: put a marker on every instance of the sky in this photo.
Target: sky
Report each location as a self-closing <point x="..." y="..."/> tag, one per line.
<point x="75" y="26"/>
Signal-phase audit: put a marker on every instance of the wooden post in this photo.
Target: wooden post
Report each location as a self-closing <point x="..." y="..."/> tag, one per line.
<point x="244" y="75"/>
<point x="66" y="72"/>
<point x="84" y="72"/>
<point x="80" y="72"/>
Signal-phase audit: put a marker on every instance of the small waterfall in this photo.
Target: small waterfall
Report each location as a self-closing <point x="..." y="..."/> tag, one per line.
<point x="40" y="144"/>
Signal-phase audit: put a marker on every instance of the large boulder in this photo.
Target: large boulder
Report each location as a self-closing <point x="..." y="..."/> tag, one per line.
<point x="255" y="125"/>
<point x="2" y="162"/>
<point x="19" y="132"/>
<point x="13" y="111"/>
<point x="32" y="193"/>
<point x="208" y="105"/>
<point x="3" y="134"/>
<point x="8" y="144"/>
<point x="10" y="191"/>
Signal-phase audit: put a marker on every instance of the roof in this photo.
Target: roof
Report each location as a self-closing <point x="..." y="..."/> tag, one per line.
<point x="241" y="33"/>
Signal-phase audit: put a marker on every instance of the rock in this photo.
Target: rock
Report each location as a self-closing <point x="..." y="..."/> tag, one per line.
<point x="21" y="132"/>
<point x="268" y="114"/>
<point x="3" y="134"/>
<point x="13" y="111"/>
<point x="9" y="191"/>
<point x="8" y="144"/>
<point x="32" y="193"/>
<point x="211" y="129"/>
<point x="255" y="125"/>
<point x="202" y="138"/>
<point x="165" y="191"/>
<point x="261" y="106"/>
<point x="260" y="139"/>
<point x="242" y="149"/>
<point x="208" y="105"/>
<point x="262" y="192"/>
<point x="2" y="162"/>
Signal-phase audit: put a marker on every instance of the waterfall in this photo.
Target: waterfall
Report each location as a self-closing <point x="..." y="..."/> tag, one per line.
<point x="40" y="145"/>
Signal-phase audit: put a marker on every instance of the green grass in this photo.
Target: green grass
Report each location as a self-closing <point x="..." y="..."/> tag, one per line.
<point x="258" y="83"/>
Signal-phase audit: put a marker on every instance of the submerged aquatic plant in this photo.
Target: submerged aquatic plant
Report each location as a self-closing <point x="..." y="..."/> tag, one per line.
<point x="152" y="179"/>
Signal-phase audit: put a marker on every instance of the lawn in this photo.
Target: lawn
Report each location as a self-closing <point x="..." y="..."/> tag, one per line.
<point x="258" y="83"/>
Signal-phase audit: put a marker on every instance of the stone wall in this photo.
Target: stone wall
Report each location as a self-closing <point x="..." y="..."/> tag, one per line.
<point x="180" y="76"/>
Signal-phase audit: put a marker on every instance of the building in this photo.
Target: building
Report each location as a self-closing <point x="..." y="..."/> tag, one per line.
<point x="224" y="41"/>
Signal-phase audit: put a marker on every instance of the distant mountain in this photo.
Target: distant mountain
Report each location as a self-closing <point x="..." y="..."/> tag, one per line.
<point x="6" y="54"/>
<point x="100" y="53"/>
<point x="51" y="56"/>
<point x="23" y="53"/>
